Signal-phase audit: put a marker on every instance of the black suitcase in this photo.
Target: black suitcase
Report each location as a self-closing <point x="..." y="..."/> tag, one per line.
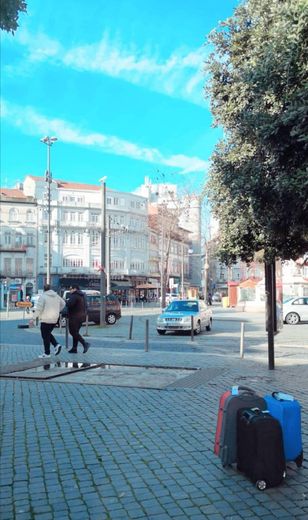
<point x="260" y="448"/>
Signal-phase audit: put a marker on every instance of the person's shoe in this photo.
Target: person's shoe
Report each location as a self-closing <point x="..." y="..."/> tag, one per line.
<point x="72" y="351"/>
<point x="86" y="347"/>
<point x="44" y="356"/>
<point x="58" y="349"/>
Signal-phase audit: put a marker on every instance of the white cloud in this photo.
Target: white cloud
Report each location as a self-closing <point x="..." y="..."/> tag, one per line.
<point x="178" y="75"/>
<point x="33" y="123"/>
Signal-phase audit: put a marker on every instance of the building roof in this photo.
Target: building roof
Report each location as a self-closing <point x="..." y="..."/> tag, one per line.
<point x="12" y="193"/>
<point x="69" y="185"/>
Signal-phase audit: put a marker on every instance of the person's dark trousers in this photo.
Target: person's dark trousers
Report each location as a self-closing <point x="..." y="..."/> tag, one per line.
<point x="46" y="332"/>
<point x="74" y="325"/>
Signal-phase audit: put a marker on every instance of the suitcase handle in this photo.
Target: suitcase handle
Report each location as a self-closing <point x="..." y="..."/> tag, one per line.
<point x="246" y="389"/>
<point x="281" y="396"/>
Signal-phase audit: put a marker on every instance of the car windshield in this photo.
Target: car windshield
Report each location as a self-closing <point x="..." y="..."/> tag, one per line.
<point x="183" y="306"/>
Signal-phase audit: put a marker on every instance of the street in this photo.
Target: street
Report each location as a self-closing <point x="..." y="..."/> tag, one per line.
<point x="84" y="446"/>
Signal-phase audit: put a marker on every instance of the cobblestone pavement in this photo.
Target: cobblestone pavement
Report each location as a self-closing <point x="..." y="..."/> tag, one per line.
<point x="88" y="451"/>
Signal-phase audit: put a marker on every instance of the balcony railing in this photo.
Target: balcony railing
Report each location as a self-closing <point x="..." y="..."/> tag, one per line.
<point x="13" y="249"/>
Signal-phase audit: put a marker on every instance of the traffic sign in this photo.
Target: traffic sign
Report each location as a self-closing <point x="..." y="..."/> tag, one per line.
<point x="23" y="304"/>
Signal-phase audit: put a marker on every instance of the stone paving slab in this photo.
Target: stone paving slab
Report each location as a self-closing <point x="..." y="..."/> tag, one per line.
<point x="81" y="451"/>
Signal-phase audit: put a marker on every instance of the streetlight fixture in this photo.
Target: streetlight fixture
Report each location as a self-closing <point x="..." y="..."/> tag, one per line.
<point x="48" y="178"/>
<point x="103" y="254"/>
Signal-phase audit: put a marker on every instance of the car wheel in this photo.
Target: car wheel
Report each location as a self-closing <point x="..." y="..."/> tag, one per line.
<point x="209" y="326"/>
<point x="161" y="332"/>
<point x="292" y="318"/>
<point x="198" y="328"/>
<point x="111" y="319"/>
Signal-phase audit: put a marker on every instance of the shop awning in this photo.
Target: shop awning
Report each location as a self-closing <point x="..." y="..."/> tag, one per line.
<point x="121" y="285"/>
<point x="146" y="286"/>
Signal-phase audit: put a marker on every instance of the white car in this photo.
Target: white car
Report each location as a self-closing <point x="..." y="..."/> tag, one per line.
<point x="177" y="317"/>
<point x="295" y="310"/>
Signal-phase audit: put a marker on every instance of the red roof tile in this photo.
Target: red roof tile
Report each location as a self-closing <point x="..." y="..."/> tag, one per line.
<point x="13" y="192"/>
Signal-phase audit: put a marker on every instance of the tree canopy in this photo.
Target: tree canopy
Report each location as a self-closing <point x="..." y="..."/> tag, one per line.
<point x="258" y="85"/>
<point x="9" y="14"/>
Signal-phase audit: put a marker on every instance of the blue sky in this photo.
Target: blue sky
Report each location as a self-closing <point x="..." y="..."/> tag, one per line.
<point x="119" y="83"/>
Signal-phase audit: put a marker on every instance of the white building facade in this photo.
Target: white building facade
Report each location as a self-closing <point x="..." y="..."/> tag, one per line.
<point x="76" y="234"/>
<point x="18" y="246"/>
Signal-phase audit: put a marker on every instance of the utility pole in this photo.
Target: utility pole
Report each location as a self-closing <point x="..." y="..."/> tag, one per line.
<point x="48" y="177"/>
<point x="103" y="254"/>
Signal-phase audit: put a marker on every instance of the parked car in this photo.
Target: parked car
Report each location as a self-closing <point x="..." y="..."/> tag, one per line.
<point x="295" y="310"/>
<point x="177" y="317"/>
<point x="113" y="306"/>
<point x="170" y="297"/>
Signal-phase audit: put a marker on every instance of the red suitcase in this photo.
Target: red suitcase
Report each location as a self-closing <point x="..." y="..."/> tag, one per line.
<point x="222" y="401"/>
<point x="230" y="402"/>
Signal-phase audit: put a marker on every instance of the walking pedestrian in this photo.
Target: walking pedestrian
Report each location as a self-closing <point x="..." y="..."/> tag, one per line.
<point x="77" y="312"/>
<point x="48" y="308"/>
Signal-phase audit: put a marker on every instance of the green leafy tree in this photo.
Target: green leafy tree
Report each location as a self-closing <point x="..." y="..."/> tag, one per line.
<point x="9" y="14"/>
<point x="258" y="183"/>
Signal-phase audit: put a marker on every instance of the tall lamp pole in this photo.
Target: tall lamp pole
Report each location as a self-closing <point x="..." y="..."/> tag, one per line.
<point x="48" y="178"/>
<point x="103" y="254"/>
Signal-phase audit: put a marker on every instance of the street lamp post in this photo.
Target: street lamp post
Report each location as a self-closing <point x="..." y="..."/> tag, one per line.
<point x="103" y="254"/>
<point x="182" y="273"/>
<point x="48" y="177"/>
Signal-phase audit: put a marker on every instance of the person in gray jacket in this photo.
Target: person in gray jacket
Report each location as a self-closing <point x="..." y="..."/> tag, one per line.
<point x="48" y="308"/>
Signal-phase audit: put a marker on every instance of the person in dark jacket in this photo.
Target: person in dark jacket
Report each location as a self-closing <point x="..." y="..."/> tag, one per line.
<point x="77" y="311"/>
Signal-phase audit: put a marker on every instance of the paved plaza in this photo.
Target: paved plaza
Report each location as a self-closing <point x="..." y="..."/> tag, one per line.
<point x="78" y="447"/>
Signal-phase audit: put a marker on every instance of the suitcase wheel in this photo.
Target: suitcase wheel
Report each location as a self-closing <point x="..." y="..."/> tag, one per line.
<point x="299" y="459"/>
<point x="261" y="485"/>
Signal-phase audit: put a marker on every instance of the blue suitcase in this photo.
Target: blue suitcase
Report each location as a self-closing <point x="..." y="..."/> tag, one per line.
<point x="288" y="412"/>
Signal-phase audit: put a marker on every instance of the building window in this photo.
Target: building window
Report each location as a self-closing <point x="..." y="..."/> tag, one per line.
<point x="29" y="266"/>
<point x="7" y="266"/>
<point x="18" y="266"/>
<point x="96" y="263"/>
<point x="116" y="201"/>
<point x="30" y="239"/>
<point x="117" y="264"/>
<point x="94" y="238"/>
<point x="7" y="238"/>
<point x="18" y="239"/>
<point x="79" y="238"/>
<point x="72" y="262"/>
<point x="73" y="215"/>
<point x="73" y="238"/>
<point x="109" y="201"/>
<point x="30" y="216"/>
<point x="13" y="215"/>
<point x="94" y="218"/>
<point x="65" y="237"/>
<point x="80" y="217"/>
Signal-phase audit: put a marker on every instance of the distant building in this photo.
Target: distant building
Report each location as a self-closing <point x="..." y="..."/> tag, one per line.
<point x="18" y="245"/>
<point x="188" y="213"/>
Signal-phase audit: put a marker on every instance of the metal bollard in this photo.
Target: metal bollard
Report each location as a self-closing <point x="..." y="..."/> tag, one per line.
<point x="130" y="335"/>
<point x="146" y="346"/>
<point x="242" y="339"/>
<point x="87" y="326"/>
<point x="192" y="335"/>
<point x="66" y="333"/>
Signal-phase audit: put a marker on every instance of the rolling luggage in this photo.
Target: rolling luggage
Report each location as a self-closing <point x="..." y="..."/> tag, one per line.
<point x="230" y="402"/>
<point x="222" y="401"/>
<point x="288" y="412"/>
<point x="260" y="448"/>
